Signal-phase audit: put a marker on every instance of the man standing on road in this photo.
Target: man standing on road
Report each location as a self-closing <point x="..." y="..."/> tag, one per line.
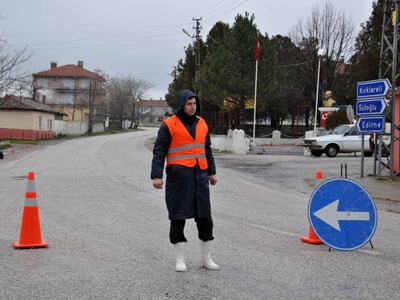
<point x="184" y="143"/>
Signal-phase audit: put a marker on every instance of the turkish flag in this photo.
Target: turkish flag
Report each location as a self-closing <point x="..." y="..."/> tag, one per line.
<point x="258" y="48"/>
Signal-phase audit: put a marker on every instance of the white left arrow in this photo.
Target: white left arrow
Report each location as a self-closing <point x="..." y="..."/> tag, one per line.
<point x="331" y="216"/>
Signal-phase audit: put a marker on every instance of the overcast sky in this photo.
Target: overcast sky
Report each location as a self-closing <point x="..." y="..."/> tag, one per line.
<point x="140" y="38"/>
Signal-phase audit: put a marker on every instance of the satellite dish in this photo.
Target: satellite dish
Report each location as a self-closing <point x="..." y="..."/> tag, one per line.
<point x="350" y="113"/>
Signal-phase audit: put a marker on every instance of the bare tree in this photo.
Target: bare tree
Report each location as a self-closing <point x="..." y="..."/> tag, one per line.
<point x="11" y="61"/>
<point x="329" y="29"/>
<point x="96" y="92"/>
<point x="124" y="92"/>
<point x="117" y="101"/>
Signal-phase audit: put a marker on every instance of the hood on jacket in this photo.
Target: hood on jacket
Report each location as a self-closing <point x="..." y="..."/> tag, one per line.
<point x="183" y="97"/>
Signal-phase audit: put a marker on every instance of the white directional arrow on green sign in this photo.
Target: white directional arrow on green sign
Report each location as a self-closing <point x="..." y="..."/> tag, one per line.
<point x="331" y="216"/>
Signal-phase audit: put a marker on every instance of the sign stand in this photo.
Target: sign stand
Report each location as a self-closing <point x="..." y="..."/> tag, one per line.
<point x="370" y="242"/>
<point x="344" y="167"/>
<point x="342" y="214"/>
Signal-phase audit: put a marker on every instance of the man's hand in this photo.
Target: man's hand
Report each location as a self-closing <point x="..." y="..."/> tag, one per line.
<point x="212" y="179"/>
<point x="157" y="183"/>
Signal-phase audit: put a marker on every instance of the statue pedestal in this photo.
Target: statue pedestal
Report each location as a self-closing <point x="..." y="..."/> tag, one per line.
<point x="325" y="112"/>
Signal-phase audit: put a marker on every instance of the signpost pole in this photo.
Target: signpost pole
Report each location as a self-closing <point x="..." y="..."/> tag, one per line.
<point x="380" y="157"/>
<point x="370" y="106"/>
<point x="362" y="155"/>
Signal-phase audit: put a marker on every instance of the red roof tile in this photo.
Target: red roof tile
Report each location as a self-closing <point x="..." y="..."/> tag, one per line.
<point x="12" y="102"/>
<point x="152" y="103"/>
<point x="67" y="71"/>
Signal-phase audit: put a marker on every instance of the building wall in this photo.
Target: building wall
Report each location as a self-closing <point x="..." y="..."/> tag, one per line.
<point x="153" y="114"/>
<point x="21" y="119"/>
<point x="62" y="96"/>
<point x="63" y="93"/>
<point x="80" y="114"/>
<point x="61" y="82"/>
<point x="26" y="125"/>
<point x="76" y="127"/>
<point x="61" y="90"/>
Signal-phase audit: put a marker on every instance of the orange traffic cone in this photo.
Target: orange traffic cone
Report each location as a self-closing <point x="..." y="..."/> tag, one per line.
<point x="31" y="182"/>
<point x="312" y="237"/>
<point x="31" y="236"/>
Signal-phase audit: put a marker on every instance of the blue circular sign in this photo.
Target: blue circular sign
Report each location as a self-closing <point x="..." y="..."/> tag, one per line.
<point x="342" y="214"/>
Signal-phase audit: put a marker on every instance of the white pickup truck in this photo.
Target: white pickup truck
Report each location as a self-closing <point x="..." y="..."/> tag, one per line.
<point x="341" y="139"/>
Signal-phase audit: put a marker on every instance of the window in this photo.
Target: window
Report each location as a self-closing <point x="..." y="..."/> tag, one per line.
<point x="353" y="131"/>
<point x="84" y="97"/>
<point x="49" y="124"/>
<point x="68" y="83"/>
<point x="40" y="122"/>
<point x="42" y="83"/>
<point x="67" y="99"/>
<point x="84" y="83"/>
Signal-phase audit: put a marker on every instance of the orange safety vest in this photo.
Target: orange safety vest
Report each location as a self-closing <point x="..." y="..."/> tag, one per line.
<point x="184" y="149"/>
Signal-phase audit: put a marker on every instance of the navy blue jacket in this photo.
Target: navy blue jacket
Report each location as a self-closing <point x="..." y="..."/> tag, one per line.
<point x="187" y="193"/>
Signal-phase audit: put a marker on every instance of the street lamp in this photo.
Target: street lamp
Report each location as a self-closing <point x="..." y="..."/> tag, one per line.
<point x="321" y="53"/>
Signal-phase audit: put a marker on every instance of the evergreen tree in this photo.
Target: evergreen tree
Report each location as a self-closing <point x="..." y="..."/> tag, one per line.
<point x="283" y="88"/>
<point x="229" y="69"/>
<point x="183" y="77"/>
<point x="364" y="64"/>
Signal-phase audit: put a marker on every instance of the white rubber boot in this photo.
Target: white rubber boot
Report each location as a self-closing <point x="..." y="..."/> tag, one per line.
<point x="206" y="255"/>
<point x="180" y="258"/>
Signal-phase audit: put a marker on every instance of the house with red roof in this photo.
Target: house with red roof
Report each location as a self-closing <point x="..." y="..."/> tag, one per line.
<point x="152" y="112"/>
<point x="25" y="119"/>
<point x="71" y="89"/>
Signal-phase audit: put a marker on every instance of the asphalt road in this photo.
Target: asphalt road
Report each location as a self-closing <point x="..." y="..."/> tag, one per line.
<point x="107" y="229"/>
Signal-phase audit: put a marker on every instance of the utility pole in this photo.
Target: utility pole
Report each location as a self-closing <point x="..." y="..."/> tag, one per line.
<point x="197" y="27"/>
<point x="197" y="36"/>
<point x="91" y="100"/>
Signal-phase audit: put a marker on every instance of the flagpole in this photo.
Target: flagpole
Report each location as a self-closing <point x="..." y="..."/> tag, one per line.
<point x="255" y="104"/>
<point x="257" y="57"/>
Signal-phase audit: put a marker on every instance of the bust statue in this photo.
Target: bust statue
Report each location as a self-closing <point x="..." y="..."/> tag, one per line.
<point x="329" y="101"/>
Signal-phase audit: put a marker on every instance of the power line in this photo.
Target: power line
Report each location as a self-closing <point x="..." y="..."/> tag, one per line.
<point x="117" y="36"/>
<point x="298" y="64"/>
<point x="221" y="10"/>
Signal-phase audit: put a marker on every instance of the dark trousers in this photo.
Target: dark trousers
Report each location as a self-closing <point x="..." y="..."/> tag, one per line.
<point x="204" y="228"/>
